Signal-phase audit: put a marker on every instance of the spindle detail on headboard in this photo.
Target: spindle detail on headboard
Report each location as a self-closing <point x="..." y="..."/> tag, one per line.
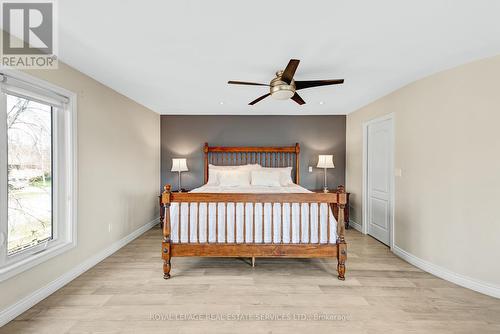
<point x="287" y="156"/>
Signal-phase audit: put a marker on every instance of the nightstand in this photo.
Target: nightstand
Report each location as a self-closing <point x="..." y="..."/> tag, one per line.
<point x="336" y="209"/>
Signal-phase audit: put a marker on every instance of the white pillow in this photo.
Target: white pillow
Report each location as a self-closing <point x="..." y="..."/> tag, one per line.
<point x="266" y="178"/>
<point x="284" y="172"/>
<point x="234" y="178"/>
<point x="213" y="178"/>
<point x="213" y="171"/>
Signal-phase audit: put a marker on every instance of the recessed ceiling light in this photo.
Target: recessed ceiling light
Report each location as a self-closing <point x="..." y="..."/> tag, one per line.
<point x="221" y="102"/>
<point x="321" y="102"/>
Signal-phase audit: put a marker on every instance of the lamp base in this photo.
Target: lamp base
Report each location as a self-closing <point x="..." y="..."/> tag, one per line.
<point x="325" y="190"/>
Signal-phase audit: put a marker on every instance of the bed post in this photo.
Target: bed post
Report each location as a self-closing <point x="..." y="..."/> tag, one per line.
<point x="341" y="244"/>
<point x="205" y="162"/>
<point x="297" y="163"/>
<point x="165" y="245"/>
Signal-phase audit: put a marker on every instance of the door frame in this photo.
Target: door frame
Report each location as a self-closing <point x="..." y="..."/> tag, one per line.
<point x="364" y="206"/>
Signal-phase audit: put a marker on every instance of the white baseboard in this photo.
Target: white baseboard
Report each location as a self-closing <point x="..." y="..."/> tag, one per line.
<point x="27" y="302"/>
<point x="466" y="282"/>
<point x="355" y="225"/>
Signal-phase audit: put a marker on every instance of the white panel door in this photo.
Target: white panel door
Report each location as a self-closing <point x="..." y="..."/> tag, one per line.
<point x="379" y="179"/>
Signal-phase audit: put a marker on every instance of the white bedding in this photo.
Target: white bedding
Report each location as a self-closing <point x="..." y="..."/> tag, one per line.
<point x="326" y="216"/>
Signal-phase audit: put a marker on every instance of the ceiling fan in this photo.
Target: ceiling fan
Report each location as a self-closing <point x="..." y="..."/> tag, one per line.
<point x="283" y="86"/>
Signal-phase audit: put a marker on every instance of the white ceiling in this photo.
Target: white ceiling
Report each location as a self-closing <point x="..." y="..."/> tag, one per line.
<point x="176" y="57"/>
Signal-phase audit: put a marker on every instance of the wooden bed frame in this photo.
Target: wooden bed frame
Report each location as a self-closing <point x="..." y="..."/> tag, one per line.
<point x="267" y="157"/>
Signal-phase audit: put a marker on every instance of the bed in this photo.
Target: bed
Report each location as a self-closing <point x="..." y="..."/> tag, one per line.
<point x="253" y="210"/>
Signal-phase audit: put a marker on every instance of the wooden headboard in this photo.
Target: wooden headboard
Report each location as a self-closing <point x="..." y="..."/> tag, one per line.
<point x="287" y="156"/>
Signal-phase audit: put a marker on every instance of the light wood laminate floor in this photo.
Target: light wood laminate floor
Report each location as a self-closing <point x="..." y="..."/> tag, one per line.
<point x="382" y="294"/>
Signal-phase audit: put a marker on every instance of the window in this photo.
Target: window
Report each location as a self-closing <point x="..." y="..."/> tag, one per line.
<point x="37" y="172"/>
<point x="29" y="174"/>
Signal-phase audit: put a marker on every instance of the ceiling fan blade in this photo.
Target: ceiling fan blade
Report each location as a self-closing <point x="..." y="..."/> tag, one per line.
<point x="296" y="97"/>
<point x="259" y="99"/>
<point x="231" y="82"/>
<point x="317" y="83"/>
<point x="289" y="71"/>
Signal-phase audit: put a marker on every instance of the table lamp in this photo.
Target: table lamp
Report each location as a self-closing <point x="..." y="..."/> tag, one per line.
<point x="325" y="161"/>
<point x="179" y="165"/>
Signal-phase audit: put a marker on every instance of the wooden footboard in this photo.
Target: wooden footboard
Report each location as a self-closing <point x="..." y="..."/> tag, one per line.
<point x="221" y="248"/>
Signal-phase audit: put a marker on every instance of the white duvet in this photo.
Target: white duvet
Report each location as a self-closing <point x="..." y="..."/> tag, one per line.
<point x="248" y="220"/>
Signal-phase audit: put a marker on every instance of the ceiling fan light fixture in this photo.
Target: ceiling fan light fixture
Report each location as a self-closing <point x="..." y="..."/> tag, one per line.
<point x="281" y="90"/>
<point x="284" y="93"/>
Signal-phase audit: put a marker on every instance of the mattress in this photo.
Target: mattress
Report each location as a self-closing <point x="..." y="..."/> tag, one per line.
<point x="252" y="222"/>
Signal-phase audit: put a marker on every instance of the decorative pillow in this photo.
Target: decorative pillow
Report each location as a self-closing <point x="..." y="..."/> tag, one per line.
<point x="234" y="178"/>
<point x="213" y="171"/>
<point x="284" y="172"/>
<point x="266" y="178"/>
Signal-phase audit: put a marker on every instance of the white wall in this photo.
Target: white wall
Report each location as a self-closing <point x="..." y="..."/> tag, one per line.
<point x="118" y="176"/>
<point x="447" y="133"/>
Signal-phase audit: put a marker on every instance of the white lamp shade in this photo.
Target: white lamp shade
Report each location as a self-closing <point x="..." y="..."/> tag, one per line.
<point x="325" y="161"/>
<point x="179" y="165"/>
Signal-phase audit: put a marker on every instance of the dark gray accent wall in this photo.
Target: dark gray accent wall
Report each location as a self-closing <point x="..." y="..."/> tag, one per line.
<point x="184" y="136"/>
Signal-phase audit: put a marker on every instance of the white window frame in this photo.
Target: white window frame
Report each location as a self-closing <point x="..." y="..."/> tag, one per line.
<point x="64" y="170"/>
